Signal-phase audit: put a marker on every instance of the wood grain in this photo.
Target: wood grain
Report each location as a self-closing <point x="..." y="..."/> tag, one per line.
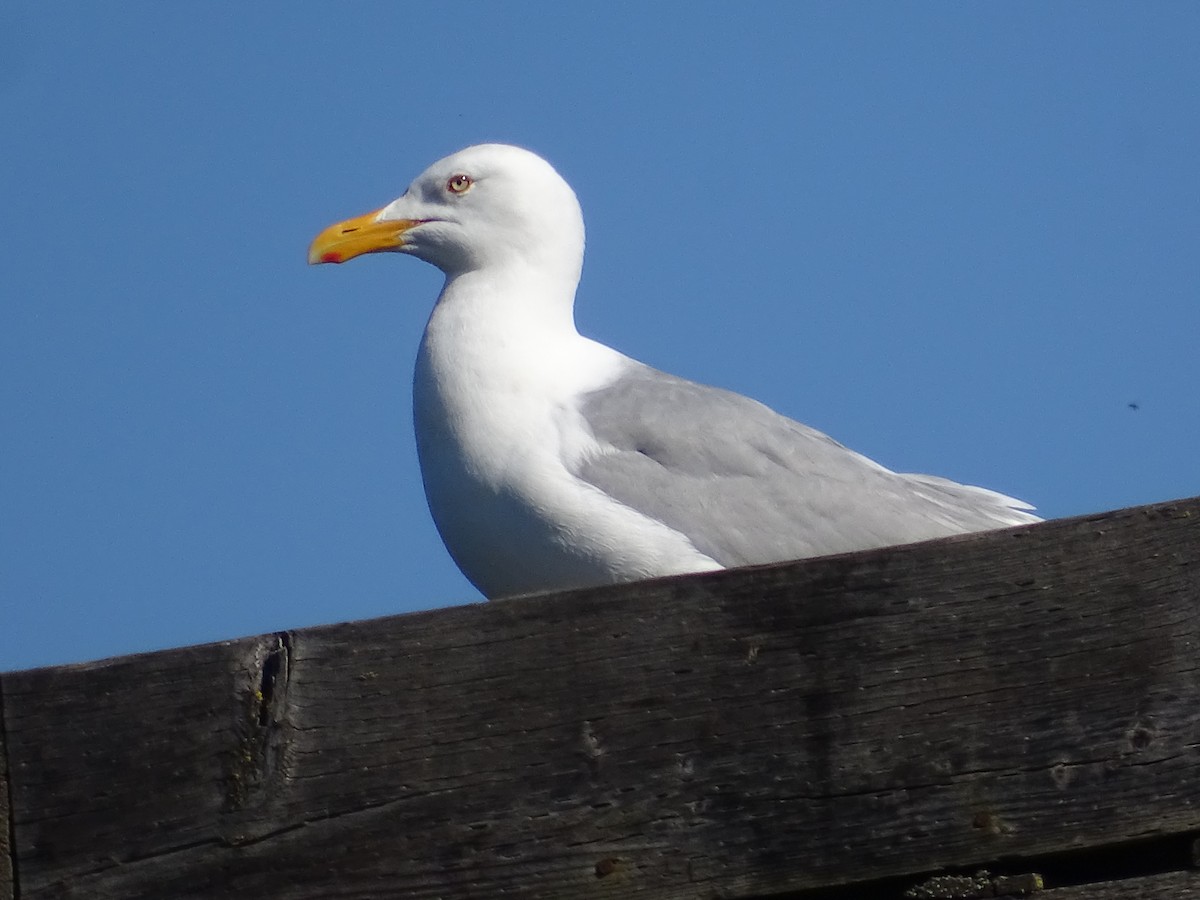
<point x="6" y="849"/>
<point x="1171" y="886"/>
<point x="734" y="734"/>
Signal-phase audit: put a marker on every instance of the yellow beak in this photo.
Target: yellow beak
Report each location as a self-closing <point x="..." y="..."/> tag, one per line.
<point x="354" y="237"/>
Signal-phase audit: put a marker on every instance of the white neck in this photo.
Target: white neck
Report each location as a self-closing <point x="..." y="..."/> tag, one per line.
<point x="517" y="301"/>
<point x="499" y="355"/>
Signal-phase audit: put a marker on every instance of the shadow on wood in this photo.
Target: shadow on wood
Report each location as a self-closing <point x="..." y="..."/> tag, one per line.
<point x="839" y="727"/>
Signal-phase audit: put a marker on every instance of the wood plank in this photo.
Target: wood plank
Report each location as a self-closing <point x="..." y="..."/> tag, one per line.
<point x="1170" y="886"/>
<point x="1161" y="886"/>
<point x="726" y="735"/>
<point x="6" y="848"/>
<point x="127" y="759"/>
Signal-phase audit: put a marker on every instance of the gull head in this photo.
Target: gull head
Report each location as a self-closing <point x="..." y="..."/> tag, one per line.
<point x="491" y="206"/>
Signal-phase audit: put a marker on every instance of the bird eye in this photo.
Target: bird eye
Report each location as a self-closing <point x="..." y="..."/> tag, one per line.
<point x="459" y="184"/>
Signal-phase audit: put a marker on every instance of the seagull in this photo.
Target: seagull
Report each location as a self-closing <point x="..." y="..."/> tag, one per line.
<point x="551" y="461"/>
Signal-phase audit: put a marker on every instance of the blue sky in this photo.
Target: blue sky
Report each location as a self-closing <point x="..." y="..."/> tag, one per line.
<point x="961" y="238"/>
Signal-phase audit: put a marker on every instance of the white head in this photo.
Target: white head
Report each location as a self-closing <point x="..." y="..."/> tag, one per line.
<point x="488" y="206"/>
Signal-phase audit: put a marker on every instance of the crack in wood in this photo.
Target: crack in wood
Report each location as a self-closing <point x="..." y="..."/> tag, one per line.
<point x="258" y="758"/>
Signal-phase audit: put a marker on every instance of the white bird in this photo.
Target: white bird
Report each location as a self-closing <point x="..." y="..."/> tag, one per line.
<point x="551" y="461"/>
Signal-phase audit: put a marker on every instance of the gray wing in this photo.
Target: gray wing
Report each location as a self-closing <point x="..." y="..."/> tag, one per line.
<point x="748" y="485"/>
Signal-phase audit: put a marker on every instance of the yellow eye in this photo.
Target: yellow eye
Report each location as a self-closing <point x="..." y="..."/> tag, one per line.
<point x="459" y="184"/>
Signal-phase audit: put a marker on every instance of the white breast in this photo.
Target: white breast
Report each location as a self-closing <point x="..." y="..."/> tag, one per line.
<point x="497" y="425"/>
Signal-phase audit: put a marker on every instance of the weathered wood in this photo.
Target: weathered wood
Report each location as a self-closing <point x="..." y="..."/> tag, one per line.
<point x="6" y="849"/>
<point x="1172" y="886"/>
<point x="734" y="734"/>
<point x="1166" y="886"/>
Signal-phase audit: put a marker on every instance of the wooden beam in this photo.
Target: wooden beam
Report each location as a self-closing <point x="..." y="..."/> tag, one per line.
<point x="6" y="830"/>
<point x="743" y="733"/>
<point x="1172" y="886"/>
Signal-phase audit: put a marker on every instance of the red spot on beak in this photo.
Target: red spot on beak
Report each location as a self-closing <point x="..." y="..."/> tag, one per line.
<point x="331" y="256"/>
